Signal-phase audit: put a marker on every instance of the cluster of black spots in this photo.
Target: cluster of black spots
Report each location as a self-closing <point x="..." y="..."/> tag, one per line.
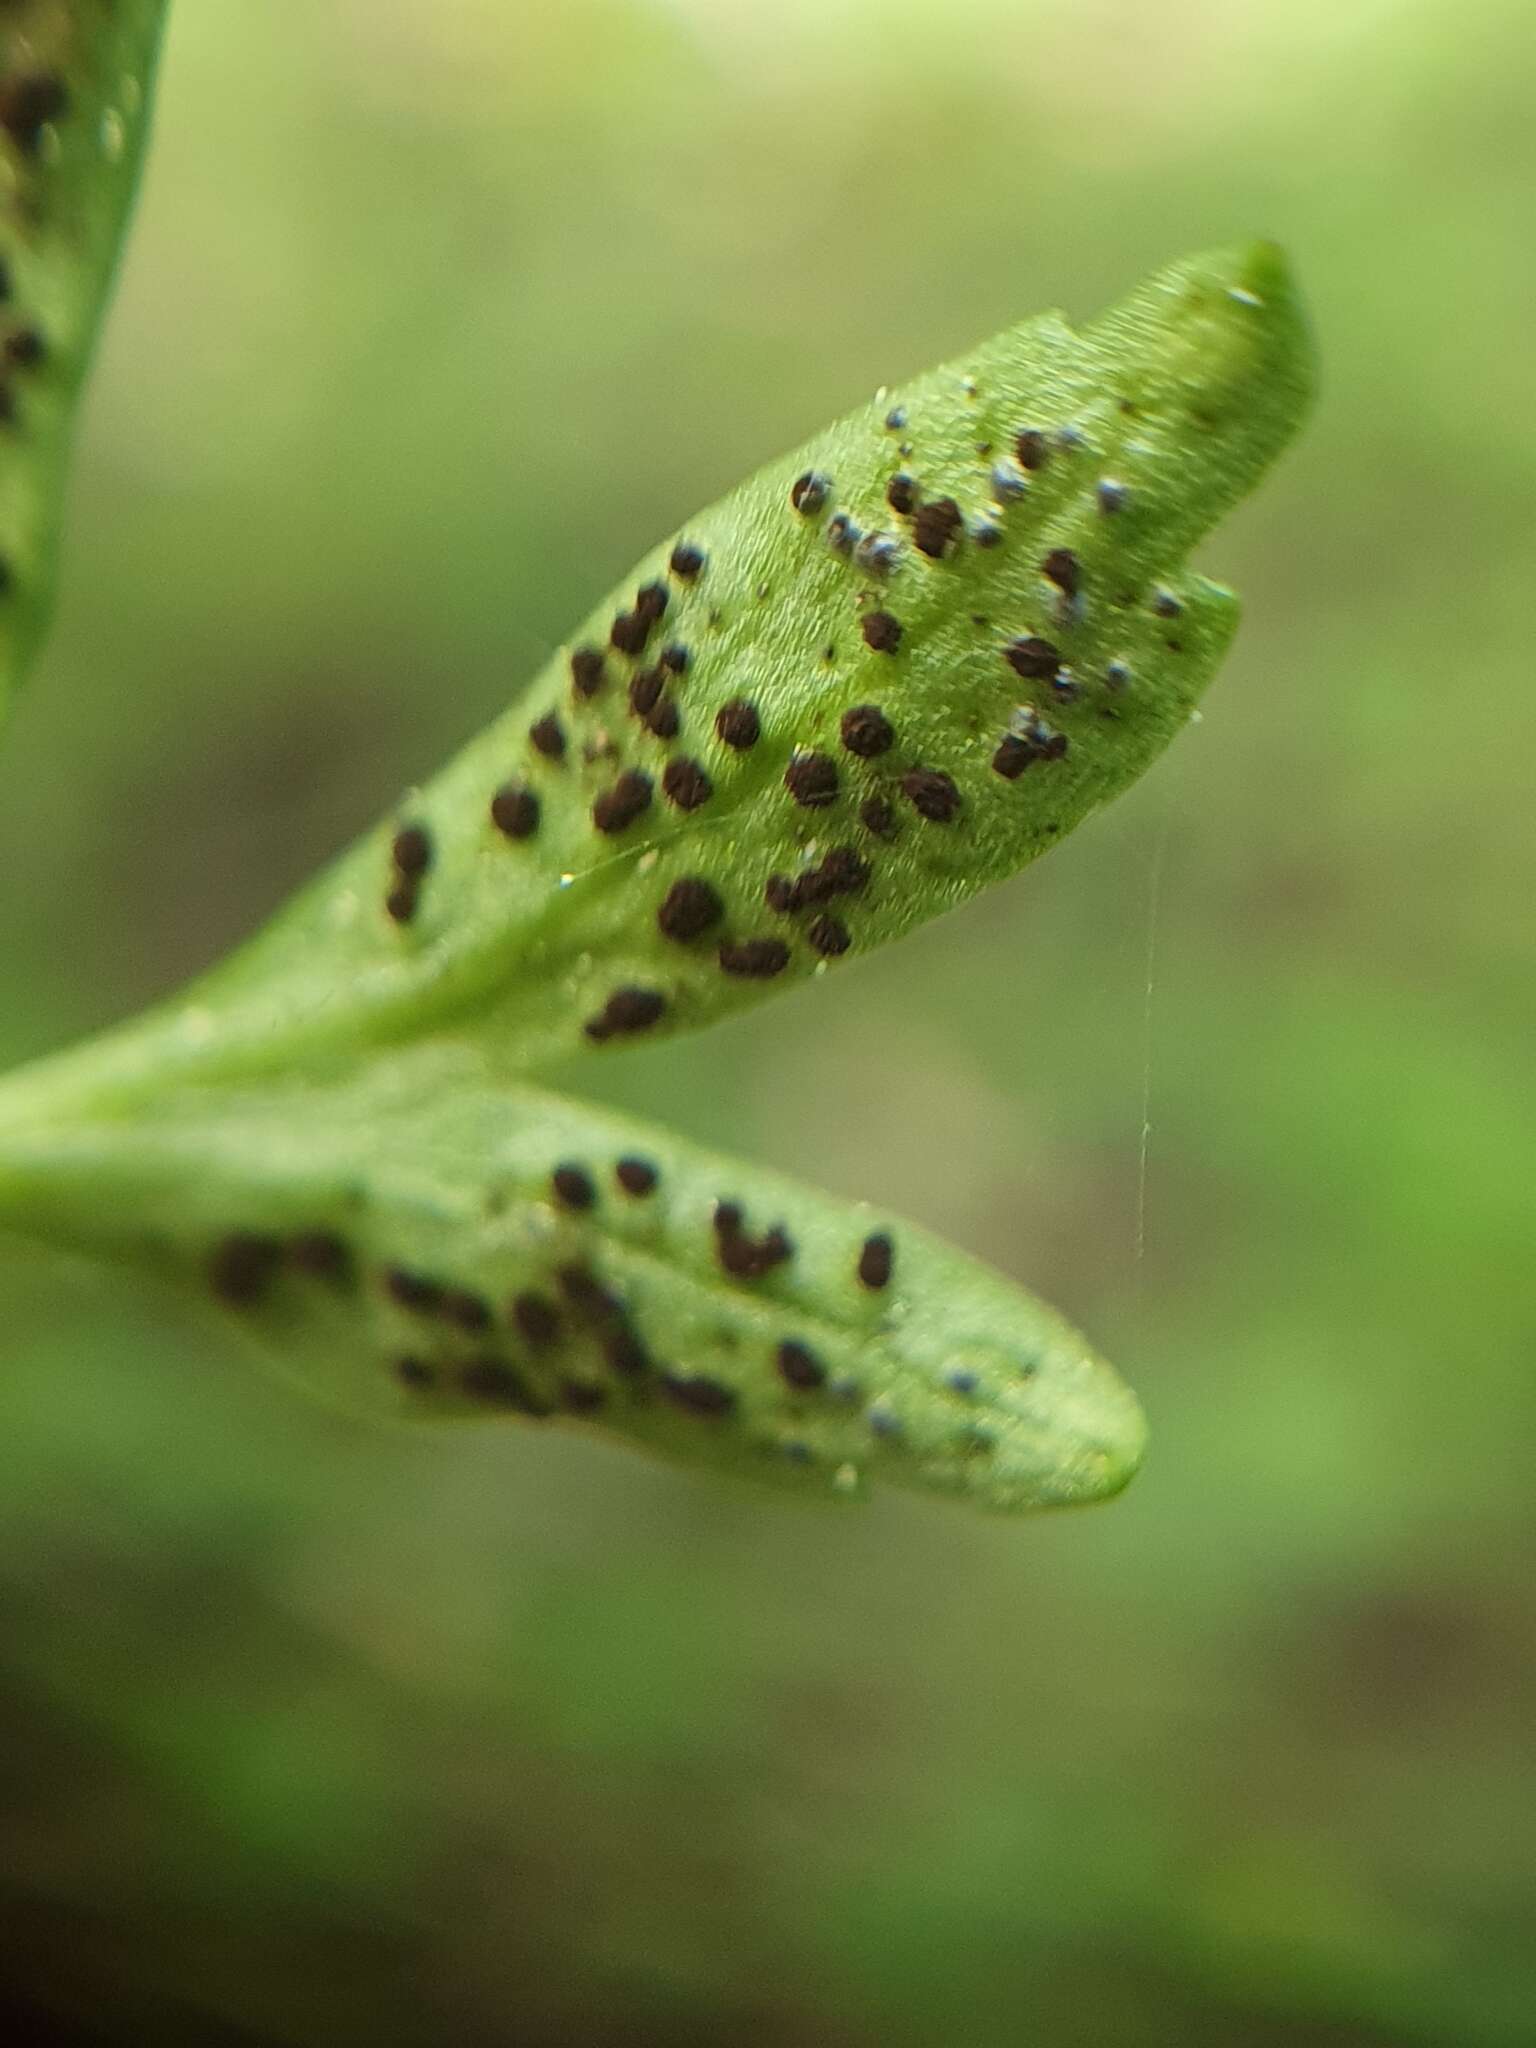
<point x="808" y="493"/>
<point x="842" y="872"/>
<point x="1032" y="449"/>
<point x="877" y="1259"/>
<point x="742" y="1255"/>
<point x="572" y="1186"/>
<point x="866" y="731"/>
<point x="410" y="855"/>
<point x="828" y="936"/>
<point x="685" y="783"/>
<point x="535" y="1319"/>
<point x="881" y="632"/>
<point x="628" y="1010"/>
<point x="1034" y="659"/>
<point x="1029" y="740"/>
<point x="932" y="794"/>
<point x="878" y="815"/>
<point x="515" y="810"/>
<point x="754" y="959"/>
<point x="901" y="493"/>
<point x="412" y="1371"/>
<point x="737" y="724"/>
<point x="1112" y="495"/>
<point x="466" y="1310"/>
<point x="686" y="561"/>
<point x="935" y="526"/>
<point x="548" y="737"/>
<point x="321" y="1255"/>
<point x="588" y="671"/>
<point x="674" y="658"/>
<point x="29" y="100"/>
<point x="811" y="780"/>
<point x="626" y="799"/>
<point x="1062" y="568"/>
<point x="690" y="908"/>
<point x="243" y="1266"/>
<point x="799" y="1367"/>
<point x="636" y="1176"/>
<point x="699" y="1396"/>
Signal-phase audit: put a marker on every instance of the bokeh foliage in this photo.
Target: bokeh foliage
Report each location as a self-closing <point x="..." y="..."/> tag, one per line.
<point x="316" y="1734"/>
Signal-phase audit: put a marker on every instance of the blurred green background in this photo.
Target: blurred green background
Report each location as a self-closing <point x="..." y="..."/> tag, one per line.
<point x="433" y="318"/>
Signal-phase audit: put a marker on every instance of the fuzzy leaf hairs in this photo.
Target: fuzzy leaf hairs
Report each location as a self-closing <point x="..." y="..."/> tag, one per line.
<point x="76" y="78"/>
<point x="886" y="671"/>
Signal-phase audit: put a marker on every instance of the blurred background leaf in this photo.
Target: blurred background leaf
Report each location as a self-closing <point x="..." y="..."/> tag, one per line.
<point x="321" y="1735"/>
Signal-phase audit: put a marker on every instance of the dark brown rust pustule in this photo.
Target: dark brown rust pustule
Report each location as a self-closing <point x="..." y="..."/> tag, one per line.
<point x="630" y="631"/>
<point x="737" y="724"/>
<point x="499" y="1385"/>
<point x="321" y="1255"/>
<point x="401" y="902"/>
<point x="829" y="936"/>
<point x="866" y="731"/>
<point x="411" y="851"/>
<point x="628" y="798"/>
<point x="881" y="631"/>
<point x="1062" y="568"/>
<point x="878" y="815"/>
<point x="799" y="1367"/>
<point x="877" y="1261"/>
<point x="548" y="736"/>
<point x="415" y="1372"/>
<point x="243" y="1266"/>
<point x="24" y="348"/>
<point x="685" y="784"/>
<point x="663" y="720"/>
<point x="417" y="1293"/>
<point x="466" y="1310"/>
<point x="651" y="601"/>
<point x="1032" y="449"/>
<point x="808" y="493"/>
<point x="932" y="794"/>
<point x="515" y="810"/>
<point x="698" y="1395"/>
<point x="586" y="1294"/>
<point x="645" y="688"/>
<point x="686" y="561"/>
<point x="535" y="1318"/>
<point x="1033" y="658"/>
<point x="754" y="959"/>
<point x="588" y="671"/>
<point x="636" y="1176"/>
<point x="935" y="526"/>
<point x="690" y="908"/>
<point x="674" y="658"/>
<point x="628" y="1010"/>
<point x="811" y="780"/>
<point x="901" y="493"/>
<point x="572" y="1186"/>
<point x="1029" y="740"/>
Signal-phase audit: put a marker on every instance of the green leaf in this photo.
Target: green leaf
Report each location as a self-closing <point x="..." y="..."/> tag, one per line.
<point x="891" y="668"/>
<point x="415" y="1243"/>
<point x="76" y="77"/>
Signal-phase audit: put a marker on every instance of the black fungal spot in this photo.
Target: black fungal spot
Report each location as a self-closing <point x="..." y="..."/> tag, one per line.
<point x="932" y="794"/>
<point x="588" y="671"/>
<point x="1030" y="740"/>
<point x="737" y="724"/>
<point x="674" y="658"/>
<point x="321" y="1255"/>
<point x="901" y="493"/>
<point x="465" y="1309"/>
<point x="627" y="799"/>
<point x="415" y="1372"/>
<point x="1062" y="568"/>
<point x="411" y="851"/>
<point x="24" y="349"/>
<point x="400" y="903"/>
<point x="726" y="1218"/>
<point x="808" y="493"/>
<point x="1032" y="449"/>
<point x="636" y="1176"/>
<point x="535" y="1318"/>
<point x="754" y="959"/>
<point x="663" y="720"/>
<point x="877" y="1257"/>
<point x="582" y="1397"/>
<point x="685" y="784"/>
<point x="690" y="908"/>
<point x="740" y="1254"/>
<point x="811" y="780"/>
<point x="881" y="632"/>
<point x="1032" y="658"/>
<point x="1112" y="495"/>
<point x="686" y="561"/>
<point x="629" y="632"/>
<point x="548" y="736"/>
<point x="935" y="526"/>
<point x="627" y="1010"/>
<point x="878" y="816"/>
<point x="243" y="1266"/>
<point x="799" y="1366"/>
<point x="645" y="687"/>
<point x="572" y="1186"/>
<point x="651" y="601"/>
<point x="28" y="102"/>
<point x="829" y="936"/>
<point x="866" y="731"/>
<point x="413" y="1292"/>
<point x="781" y="894"/>
<point x="515" y="811"/>
<point x="699" y="1396"/>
